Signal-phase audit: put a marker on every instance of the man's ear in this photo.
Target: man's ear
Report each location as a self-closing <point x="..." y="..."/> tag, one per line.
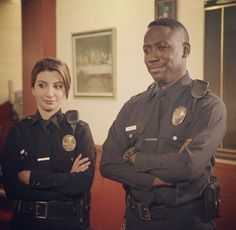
<point x="186" y="49"/>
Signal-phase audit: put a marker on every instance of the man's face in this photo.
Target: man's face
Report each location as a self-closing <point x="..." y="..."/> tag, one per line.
<point x="165" y="54"/>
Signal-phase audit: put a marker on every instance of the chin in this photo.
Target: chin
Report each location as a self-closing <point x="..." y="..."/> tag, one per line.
<point x="156" y="77"/>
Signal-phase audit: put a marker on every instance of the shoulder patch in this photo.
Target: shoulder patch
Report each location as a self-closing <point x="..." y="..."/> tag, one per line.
<point x="199" y="88"/>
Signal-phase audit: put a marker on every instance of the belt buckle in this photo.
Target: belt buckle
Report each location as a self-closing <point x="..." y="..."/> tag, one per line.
<point x="144" y="211"/>
<point x="43" y="205"/>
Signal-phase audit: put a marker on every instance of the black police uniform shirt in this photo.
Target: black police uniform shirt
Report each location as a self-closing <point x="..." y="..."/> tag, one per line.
<point x="32" y="146"/>
<point x="159" y="145"/>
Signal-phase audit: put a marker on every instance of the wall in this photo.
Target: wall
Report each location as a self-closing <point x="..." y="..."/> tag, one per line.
<point x="39" y="40"/>
<point x="10" y="47"/>
<point x="225" y="172"/>
<point x="130" y="18"/>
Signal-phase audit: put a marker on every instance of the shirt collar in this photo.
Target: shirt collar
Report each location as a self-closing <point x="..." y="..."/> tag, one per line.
<point x="174" y="91"/>
<point x="55" y="118"/>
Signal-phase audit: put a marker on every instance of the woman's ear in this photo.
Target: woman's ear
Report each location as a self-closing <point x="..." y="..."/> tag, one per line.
<point x="186" y="49"/>
<point x="32" y="90"/>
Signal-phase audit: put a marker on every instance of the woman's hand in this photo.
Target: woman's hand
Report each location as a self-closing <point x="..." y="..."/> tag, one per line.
<point x="80" y="164"/>
<point x="24" y="176"/>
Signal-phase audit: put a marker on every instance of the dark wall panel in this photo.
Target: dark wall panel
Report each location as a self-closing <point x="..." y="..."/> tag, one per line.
<point x="39" y="40"/>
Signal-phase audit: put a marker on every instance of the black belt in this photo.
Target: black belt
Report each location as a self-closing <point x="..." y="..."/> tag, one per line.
<point x="50" y="209"/>
<point x="159" y="212"/>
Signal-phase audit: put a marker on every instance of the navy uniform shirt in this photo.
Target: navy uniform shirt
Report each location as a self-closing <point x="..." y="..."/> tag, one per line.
<point x="33" y="145"/>
<point x="160" y="144"/>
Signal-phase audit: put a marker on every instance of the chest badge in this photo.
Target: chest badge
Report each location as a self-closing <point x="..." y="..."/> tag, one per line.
<point x="69" y="142"/>
<point x="179" y="115"/>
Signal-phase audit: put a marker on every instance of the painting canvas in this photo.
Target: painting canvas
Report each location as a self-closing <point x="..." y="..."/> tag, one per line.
<point x="165" y="9"/>
<point x="93" y="63"/>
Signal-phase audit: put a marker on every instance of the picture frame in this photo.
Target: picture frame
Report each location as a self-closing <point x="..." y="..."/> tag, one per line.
<point x="165" y="9"/>
<point x="93" y="55"/>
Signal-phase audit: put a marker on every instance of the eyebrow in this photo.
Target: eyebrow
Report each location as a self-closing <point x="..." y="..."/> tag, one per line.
<point x="47" y="82"/>
<point x="155" y="44"/>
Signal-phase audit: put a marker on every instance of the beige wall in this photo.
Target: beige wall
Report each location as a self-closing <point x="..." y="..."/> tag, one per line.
<point x="130" y="18"/>
<point x="10" y="47"/>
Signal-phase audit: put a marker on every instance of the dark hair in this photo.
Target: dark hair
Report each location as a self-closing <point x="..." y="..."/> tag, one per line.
<point x="52" y="64"/>
<point x="171" y="23"/>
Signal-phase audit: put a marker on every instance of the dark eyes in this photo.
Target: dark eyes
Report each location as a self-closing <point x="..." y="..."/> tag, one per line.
<point x="160" y="47"/>
<point x="42" y="85"/>
<point x="56" y="86"/>
<point x="146" y="51"/>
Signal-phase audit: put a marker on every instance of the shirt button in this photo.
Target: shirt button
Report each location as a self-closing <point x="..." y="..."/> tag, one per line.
<point x="175" y="138"/>
<point x="38" y="184"/>
<point x="72" y="158"/>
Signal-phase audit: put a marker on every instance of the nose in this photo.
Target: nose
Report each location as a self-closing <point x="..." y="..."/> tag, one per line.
<point x="50" y="92"/>
<point x="154" y="56"/>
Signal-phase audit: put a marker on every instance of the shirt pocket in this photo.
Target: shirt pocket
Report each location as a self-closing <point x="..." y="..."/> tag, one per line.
<point x="172" y="139"/>
<point x="133" y="133"/>
<point x="62" y="162"/>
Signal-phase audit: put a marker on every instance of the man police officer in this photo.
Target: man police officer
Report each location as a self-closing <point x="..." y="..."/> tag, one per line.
<point x="161" y="145"/>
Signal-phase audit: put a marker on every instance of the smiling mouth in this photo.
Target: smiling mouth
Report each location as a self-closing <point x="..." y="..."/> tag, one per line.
<point x="156" y="68"/>
<point x="49" y="102"/>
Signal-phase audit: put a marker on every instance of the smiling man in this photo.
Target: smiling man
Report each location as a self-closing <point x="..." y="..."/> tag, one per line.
<point x="162" y="144"/>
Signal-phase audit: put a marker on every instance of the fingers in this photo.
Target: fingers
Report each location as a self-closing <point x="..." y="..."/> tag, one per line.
<point x="24" y="176"/>
<point x="84" y="167"/>
<point x="80" y="164"/>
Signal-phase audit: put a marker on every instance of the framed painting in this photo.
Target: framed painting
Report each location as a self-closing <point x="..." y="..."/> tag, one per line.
<point x="165" y="9"/>
<point x="94" y="63"/>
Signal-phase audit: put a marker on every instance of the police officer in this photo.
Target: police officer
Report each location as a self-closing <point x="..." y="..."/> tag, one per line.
<point x="49" y="158"/>
<point x="161" y="145"/>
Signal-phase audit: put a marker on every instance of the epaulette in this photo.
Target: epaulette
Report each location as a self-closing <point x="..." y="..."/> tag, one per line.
<point x="199" y="88"/>
<point x="28" y="118"/>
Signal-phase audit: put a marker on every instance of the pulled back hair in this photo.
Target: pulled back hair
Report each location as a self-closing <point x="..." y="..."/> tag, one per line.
<point x="172" y="24"/>
<point x="52" y="64"/>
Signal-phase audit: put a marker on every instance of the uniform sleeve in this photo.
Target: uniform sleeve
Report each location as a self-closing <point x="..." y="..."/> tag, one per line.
<point x="112" y="166"/>
<point x="10" y="162"/>
<point x="69" y="183"/>
<point x="206" y="130"/>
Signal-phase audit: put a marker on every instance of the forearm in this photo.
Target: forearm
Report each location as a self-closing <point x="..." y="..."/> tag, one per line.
<point x="65" y="183"/>
<point x="127" y="174"/>
<point x="172" y="168"/>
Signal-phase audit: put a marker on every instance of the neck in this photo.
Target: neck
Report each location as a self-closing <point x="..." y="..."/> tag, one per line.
<point x="47" y="114"/>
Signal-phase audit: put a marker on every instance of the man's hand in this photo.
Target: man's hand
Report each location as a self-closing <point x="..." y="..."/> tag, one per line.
<point x="24" y="176"/>
<point x="129" y="155"/>
<point x="159" y="182"/>
<point x="80" y="164"/>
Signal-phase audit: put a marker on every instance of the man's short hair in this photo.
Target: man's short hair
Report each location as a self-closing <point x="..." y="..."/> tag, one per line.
<point x="172" y="24"/>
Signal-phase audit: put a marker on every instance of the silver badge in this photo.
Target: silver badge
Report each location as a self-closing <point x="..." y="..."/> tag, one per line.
<point x="179" y="115"/>
<point x="69" y="142"/>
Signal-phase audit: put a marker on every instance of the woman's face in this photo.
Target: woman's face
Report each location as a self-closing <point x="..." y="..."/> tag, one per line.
<point x="49" y="92"/>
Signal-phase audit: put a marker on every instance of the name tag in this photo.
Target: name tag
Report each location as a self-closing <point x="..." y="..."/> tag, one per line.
<point x="130" y="128"/>
<point x="43" y="159"/>
<point x="151" y="139"/>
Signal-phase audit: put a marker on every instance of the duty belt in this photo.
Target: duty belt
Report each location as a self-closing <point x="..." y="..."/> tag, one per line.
<point x="51" y="209"/>
<point x="159" y="212"/>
